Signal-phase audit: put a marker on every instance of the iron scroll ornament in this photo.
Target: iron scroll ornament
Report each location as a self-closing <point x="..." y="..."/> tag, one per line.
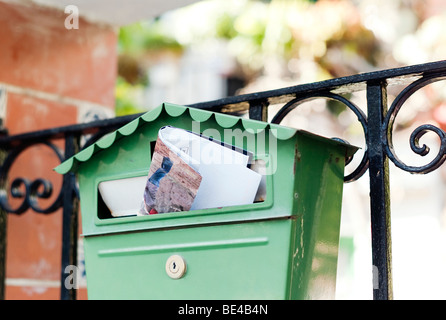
<point x="29" y="191"/>
<point x="387" y="128"/>
<point x="362" y="118"/>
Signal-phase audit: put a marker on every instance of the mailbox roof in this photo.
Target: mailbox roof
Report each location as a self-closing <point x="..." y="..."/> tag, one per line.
<point x="224" y="120"/>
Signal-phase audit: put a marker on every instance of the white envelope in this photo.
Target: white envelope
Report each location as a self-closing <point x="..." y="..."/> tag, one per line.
<point x="226" y="179"/>
<point x="123" y="196"/>
<point x="226" y="185"/>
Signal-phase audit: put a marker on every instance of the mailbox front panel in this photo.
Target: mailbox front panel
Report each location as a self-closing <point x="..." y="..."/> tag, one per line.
<point x="241" y="261"/>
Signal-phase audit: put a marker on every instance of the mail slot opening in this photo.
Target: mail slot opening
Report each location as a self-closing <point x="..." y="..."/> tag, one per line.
<point x="124" y="197"/>
<point x="120" y="197"/>
<point x="103" y="210"/>
<point x="188" y="171"/>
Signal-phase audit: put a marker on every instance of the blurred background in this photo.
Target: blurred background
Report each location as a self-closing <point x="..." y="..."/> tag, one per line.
<point x="216" y="48"/>
<point x="197" y="51"/>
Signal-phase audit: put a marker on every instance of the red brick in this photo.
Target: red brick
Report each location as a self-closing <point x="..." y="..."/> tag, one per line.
<point x="38" y="52"/>
<point x="26" y="113"/>
<point x="34" y="240"/>
<point x="39" y="293"/>
<point x="32" y="293"/>
<point x="43" y="66"/>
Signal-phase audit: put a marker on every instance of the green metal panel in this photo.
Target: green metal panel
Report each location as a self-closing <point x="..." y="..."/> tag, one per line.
<point x="282" y="248"/>
<point x="240" y="261"/>
<point x="318" y="203"/>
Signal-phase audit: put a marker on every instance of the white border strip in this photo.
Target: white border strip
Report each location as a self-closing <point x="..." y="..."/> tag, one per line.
<point x="23" y="282"/>
<point x="53" y="97"/>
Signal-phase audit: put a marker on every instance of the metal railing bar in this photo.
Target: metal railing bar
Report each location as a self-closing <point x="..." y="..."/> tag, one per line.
<point x="350" y="83"/>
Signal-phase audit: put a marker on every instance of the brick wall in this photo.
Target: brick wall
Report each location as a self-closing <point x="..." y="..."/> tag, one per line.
<point x="52" y="76"/>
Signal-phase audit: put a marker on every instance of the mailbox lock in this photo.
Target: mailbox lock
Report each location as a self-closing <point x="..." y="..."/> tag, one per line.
<point x="175" y="266"/>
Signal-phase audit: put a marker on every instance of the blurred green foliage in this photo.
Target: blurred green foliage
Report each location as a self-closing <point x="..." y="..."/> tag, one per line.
<point x="134" y="41"/>
<point x="125" y="102"/>
<point x="147" y="35"/>
<point x="326" y="35"/>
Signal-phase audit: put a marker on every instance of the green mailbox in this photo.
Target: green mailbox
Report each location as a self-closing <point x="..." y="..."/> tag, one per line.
<point x="282" y="245"/>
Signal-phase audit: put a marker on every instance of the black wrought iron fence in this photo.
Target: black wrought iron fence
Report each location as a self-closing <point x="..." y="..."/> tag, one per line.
<point x="377" y="124"/>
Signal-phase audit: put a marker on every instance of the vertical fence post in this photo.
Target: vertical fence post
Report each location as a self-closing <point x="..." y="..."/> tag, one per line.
<point x="3" y="239"/>
<point x="68" y="284"/>
<point x="3" y="234"/>
<point x="379" y="192"/>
